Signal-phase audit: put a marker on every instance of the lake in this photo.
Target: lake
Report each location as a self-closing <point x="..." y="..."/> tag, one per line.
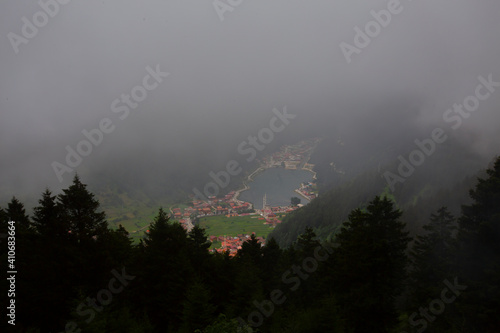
<point x="279" y="185"/>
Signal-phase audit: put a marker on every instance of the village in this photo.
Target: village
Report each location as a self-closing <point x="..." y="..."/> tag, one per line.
<point x="229" y="206"/>
<point x="292" y="156"/>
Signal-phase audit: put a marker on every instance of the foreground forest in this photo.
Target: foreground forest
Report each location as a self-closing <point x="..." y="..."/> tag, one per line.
<point x="76" y="274"/>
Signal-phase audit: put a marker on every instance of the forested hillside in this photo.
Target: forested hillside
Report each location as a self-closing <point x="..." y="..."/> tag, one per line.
<point x="75" y="274"/>
<point x="443" y="179"/>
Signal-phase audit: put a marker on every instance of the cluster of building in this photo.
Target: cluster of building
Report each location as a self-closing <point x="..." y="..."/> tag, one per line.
<point x="272" y="215"/>
<point x="184" y="217"/>
<point x="233" y="244"/>
<point x="291" y="156"/>
<point x="307" y="190"/>
<point x="228" y="205"/>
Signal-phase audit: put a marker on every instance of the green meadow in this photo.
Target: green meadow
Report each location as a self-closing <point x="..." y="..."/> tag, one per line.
<point x="233" y="226"/>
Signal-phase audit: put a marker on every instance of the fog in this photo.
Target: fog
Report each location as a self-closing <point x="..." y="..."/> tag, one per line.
<point x="225" y="78"/>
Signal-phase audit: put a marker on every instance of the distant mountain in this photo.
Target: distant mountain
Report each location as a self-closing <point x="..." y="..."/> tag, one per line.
<point x="444" y="178"/>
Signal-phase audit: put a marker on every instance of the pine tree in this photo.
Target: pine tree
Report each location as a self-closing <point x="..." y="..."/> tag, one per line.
<point x="433" y="257"/>
<point x="198" y="246"/>
<point x="370" y="266"/>
<point x="305" y="247"/>
<point x="306" y="243"/>
<point x="270" y="265"/>
<point x="47" y="219"/>
<point x="164" y="272"/>
<point x="115" y="250"/>
<point x="86" y="267"/>
<point x="198" y="238"/>
<point x="17" y="213"/>
<point x="222" y="272"/>
<point x="479" y="241"/>
<point x="248" y="277"/>
<point x="79" y="209"/>
<point x="50" y="265"/>
<point x="198" y="310"/>
<point x="251" y="251"/>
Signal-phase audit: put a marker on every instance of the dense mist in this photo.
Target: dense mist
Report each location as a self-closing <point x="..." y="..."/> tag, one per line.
<point x="225" y="78"/>
<point x="366" y="135"/>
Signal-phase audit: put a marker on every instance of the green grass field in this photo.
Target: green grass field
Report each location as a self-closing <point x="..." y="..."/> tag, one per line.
<point x="134" y="213"/>
<point x="138" y="212"/>
<point x="232" y="226"/>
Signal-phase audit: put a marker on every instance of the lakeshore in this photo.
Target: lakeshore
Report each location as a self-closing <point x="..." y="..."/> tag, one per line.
<point x="240" y="218"/>
<point x="290" y="157"/>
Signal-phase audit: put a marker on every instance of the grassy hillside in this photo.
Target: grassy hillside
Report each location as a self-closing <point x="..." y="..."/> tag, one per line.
<point x="135" y="211"/>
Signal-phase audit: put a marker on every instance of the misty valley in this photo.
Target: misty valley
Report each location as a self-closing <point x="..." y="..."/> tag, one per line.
<point x="231" y="166"/>
<point x="249" y="260"/>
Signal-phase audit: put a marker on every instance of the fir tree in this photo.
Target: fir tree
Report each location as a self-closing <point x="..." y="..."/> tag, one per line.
<point x="16" y="212"/>
<point x="479" y="241"/>
<point x="306" y="243"/>
<point x="165" y="272"/>
<point x="79" y="209"/>
<point x="433" y="256"/>
<point x="251" y="251"/>
<point x="47" y="219"/>
<point x="370" y="266"/>
<point x="198" y="310"/>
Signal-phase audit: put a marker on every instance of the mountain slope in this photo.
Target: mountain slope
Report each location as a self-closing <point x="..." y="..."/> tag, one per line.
<point x="444" y="179"/>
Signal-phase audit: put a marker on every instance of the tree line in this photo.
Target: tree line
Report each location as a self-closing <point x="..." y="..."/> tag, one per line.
<point x="76" y="274"/>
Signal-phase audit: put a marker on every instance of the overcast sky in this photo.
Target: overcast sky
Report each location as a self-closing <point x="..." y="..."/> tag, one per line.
<point x="227" y="76"/>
